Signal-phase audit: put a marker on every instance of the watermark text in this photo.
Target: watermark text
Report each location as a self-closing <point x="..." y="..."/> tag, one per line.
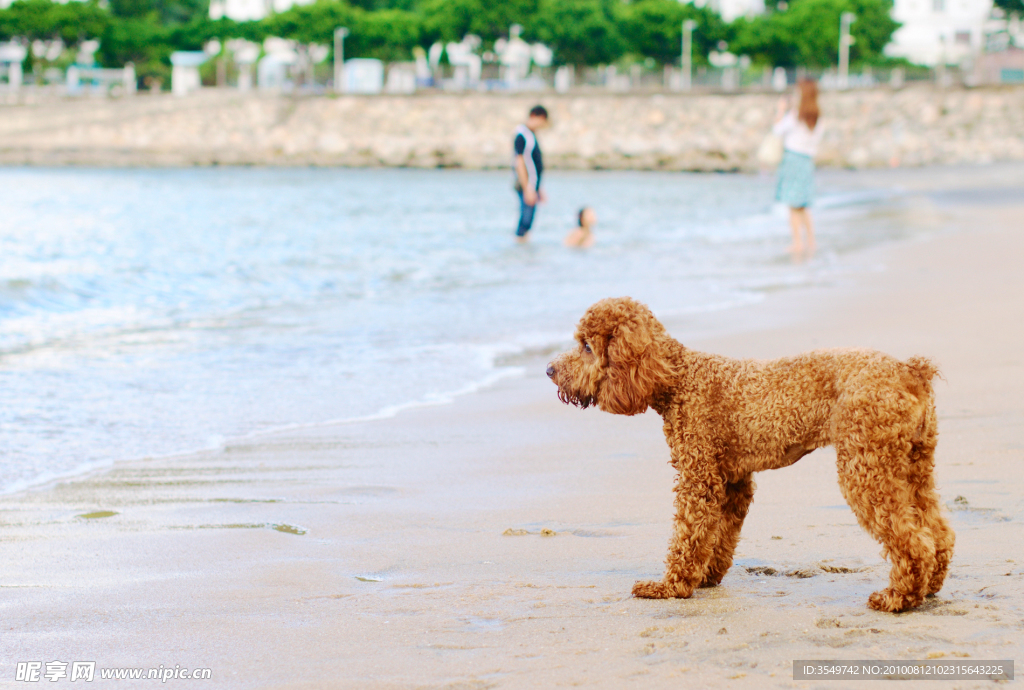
<point x="86" y="671"/>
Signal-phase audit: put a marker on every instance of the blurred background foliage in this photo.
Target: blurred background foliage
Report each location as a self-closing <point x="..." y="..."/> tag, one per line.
<point x="1011" y="6"/>
<point x="807" y="33"/>
<point x="581" y="32"/>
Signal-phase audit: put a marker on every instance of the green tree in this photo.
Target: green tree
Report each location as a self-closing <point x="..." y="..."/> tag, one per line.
<point x="767" y="39"/>
<point x="388" y="34"/>
<point x="140" y="41"/>
<point x="495" y="18"/>
<point x="131" y="9"/>
<point x="450" y="20"/>
<point x="164" y="11"/>
<point x="46" y="20"/>
<point x="1011" y="6"/>
<point x="182" y="11"/>
<point x="581" y="32"/>
<point x="808" y="33"/>
<point x="447" y="20"/>
<point x="195" y="34"/>
<point x="653" y="28"/>
<point x="309" y="23"/>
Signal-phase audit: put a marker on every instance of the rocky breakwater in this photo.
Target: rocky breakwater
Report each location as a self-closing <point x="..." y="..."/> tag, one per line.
<point x="918" y="125"/>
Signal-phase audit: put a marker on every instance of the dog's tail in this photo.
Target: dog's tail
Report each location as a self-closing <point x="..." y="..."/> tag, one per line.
<point x="924" y="369"/>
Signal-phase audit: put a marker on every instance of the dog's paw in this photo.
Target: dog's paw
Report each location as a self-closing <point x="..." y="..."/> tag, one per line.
<point x="659" y="590"/>
<point x="650" y="590"/>
<point x="889" y="600"/>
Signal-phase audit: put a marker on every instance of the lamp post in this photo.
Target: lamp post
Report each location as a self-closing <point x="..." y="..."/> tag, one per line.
<point x="845" y="41"/>
<point x="339" y="59"/>
<point x="687" y="58"/>
<point x="940" y="68"/>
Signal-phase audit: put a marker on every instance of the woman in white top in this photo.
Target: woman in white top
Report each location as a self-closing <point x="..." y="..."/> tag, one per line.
<point x="800" y="134"/>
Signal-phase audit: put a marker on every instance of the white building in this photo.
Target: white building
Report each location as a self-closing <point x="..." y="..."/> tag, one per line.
<point x="732" y="9"/>
<point x="939" y="31"/>
<point x="249" y="10"/>
<point x="933" y="31"/>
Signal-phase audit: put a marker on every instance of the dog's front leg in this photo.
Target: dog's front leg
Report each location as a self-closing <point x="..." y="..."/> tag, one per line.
<point x="700" y="492"/>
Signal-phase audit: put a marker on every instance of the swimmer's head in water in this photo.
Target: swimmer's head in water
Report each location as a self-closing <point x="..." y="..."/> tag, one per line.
<point x="586" y="217"/>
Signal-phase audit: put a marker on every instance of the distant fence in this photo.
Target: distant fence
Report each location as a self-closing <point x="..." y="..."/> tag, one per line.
<point x="75" y="81"/>
<point x="403" y="77"/>
<point x="101" y="80"/>
<point x="707" y="78"/>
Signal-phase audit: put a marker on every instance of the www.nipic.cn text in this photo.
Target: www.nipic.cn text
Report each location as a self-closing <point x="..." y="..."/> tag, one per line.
<point x="36" y="671"/>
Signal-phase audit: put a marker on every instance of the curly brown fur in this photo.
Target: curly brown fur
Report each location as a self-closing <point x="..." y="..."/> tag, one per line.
<point x="725" y="419"/>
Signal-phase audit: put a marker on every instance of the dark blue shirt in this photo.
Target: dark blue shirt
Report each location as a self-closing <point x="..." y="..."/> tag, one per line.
<point x="526" y="145"/>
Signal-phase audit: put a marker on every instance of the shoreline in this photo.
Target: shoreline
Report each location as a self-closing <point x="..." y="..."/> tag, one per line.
<point x="503" y="365"/>
<point x="931" y="182"/>
<point x="376" y="550"/>
<point x="387" y="412"/>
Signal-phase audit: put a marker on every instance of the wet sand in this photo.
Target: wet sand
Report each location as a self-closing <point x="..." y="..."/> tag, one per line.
<point x="493" y="542"/>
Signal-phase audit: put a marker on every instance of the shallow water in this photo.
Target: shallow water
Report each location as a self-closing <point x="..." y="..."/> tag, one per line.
<point x="152" y="312"/>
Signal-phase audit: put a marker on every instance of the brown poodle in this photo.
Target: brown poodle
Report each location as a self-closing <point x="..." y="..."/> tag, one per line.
<point x="726" y="419"/>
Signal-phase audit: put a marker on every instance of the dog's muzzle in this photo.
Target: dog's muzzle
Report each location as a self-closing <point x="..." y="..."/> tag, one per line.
<point x="569" y="397"/>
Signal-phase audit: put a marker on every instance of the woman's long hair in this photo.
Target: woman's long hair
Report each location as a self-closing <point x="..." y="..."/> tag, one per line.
<point x="808" y="113"/>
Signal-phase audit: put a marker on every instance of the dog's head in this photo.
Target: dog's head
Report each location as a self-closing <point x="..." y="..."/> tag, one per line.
<point x="618" y="363"/>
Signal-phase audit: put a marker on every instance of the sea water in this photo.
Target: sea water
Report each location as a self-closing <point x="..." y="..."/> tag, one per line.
<point x="151" y="312"/>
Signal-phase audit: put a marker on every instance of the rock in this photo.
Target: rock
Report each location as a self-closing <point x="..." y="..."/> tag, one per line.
<point x="917" y="125"/>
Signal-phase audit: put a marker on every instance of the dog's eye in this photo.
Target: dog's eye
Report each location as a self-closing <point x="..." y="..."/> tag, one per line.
<point x="586" y="347"/>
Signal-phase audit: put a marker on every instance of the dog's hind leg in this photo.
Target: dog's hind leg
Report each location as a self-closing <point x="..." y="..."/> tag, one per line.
<point x="922" y="479"/>
<point x="924" y="437"/>
<point x="876" y="486"/>
<point x="934" y="521"/>
<point x="738" y="496"/>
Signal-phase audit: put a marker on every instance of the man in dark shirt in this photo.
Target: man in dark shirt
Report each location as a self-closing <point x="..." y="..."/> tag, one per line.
<point x="528" y="165"/>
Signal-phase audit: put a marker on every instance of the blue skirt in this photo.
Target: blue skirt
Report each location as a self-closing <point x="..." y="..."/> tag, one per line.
<point x="795" y="186"/>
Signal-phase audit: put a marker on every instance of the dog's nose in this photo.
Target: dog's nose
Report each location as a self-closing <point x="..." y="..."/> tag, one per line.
<point x="551" y="371"/>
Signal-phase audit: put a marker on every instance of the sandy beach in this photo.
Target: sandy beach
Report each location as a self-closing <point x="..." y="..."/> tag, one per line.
<point x="492" y="542"/>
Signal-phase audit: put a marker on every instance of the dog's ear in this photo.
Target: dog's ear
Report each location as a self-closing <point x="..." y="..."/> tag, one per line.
<point x="635" y="369"/>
